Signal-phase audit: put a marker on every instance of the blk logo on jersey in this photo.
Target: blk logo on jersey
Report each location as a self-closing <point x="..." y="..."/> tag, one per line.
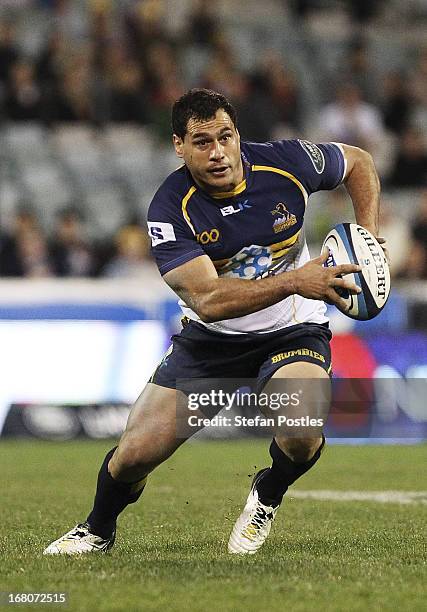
<point x="284" y="219"/>
<point x="160" y="232"/>
<point x="231" y="210"/>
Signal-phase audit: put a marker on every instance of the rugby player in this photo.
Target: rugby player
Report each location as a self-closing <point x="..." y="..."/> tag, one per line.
<point x="227" y="236"/>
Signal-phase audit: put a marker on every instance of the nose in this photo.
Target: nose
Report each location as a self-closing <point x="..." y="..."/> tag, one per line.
<point x="216" y="152"/>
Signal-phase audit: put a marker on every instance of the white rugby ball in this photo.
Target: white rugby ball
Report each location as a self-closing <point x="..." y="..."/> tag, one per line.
<point x="351" y="243"/>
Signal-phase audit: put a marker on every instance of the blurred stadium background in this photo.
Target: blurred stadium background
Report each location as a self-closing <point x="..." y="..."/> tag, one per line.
<point x="85" y="95"/>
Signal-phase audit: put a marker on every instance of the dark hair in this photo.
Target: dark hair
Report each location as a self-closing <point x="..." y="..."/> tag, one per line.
<point x="200" y="104"/>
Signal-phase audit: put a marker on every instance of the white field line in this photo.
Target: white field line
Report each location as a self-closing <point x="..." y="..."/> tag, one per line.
<point x="383" y="497"/>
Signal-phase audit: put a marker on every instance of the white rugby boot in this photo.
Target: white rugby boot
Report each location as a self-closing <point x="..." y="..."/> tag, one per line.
<point x="253" y="526"/>
<point x="79" y="540"/>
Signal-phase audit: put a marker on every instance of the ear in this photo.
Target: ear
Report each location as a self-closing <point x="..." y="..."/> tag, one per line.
<point x="178" y="143"/>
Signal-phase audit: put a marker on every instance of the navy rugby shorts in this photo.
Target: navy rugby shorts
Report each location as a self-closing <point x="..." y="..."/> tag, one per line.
<point x="200" y="353"/>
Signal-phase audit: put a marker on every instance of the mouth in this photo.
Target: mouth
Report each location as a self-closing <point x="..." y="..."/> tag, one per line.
<point x="219" y="171"/>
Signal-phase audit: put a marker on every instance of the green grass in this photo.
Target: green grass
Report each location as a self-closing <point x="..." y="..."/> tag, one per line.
<point x="171" y="547"/>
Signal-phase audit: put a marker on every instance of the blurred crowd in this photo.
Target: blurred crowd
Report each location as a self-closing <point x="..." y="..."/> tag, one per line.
<point x="69" y="251"/>
<point x="126" y="66"/>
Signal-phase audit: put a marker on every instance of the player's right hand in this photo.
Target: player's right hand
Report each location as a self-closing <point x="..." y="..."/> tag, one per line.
<point x="316" y="282"/>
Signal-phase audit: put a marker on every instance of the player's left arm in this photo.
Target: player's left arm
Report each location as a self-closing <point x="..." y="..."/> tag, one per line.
<point x="363" y="185"/>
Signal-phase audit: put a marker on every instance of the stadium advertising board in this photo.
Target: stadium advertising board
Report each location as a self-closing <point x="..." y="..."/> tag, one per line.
<point x="76" y="362"/>
<point x="377" y="394"/>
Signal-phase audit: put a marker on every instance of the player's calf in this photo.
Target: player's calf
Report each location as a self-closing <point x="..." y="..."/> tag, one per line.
<point x="138" y="455"/>
<point x="287" y="468"/>
<point x="111" y="498"/>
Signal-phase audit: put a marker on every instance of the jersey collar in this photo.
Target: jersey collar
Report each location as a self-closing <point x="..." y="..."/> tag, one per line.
<point x="229" y="194"/>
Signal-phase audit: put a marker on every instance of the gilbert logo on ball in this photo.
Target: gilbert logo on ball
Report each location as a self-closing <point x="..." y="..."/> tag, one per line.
<point x="351" y="243"/>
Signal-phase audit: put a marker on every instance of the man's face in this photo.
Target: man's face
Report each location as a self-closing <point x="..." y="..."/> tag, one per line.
<point x="211" y="152"/>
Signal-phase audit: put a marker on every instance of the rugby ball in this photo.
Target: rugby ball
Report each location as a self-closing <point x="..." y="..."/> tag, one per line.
<point x="351" y="243"/>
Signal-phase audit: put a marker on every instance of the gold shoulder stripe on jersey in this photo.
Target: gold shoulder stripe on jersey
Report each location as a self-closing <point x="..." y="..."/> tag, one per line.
<point x="288" y="175"/>
<point x="229" y="194"/>
<point x="184" y="203"/>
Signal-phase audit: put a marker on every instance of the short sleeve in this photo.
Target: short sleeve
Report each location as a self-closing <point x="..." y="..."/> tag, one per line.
<point x="317" y="166"/>
<point x="172" y="241"/>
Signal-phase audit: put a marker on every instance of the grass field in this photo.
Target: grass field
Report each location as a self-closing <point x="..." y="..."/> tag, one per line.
<point x="171" y="548"/>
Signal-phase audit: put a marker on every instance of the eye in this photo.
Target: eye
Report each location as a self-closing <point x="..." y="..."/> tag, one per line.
<point x="225" y="137"/>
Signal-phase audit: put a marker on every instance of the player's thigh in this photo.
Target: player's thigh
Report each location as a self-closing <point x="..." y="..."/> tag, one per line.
<point x="156" y="427"/>
<point x="303" y="379"/>
<point x="154" y="412"/>
<point x="304" y="392"/>
<point x="301" y="370"/>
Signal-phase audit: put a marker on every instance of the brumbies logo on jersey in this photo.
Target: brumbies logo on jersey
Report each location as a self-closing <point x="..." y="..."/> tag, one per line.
<point x="284" y="219"/>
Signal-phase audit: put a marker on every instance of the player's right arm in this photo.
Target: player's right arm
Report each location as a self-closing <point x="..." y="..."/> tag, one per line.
<point x="215" y="299"/>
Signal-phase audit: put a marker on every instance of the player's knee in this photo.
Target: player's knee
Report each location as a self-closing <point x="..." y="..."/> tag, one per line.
<point x="299" y="450"/>
<point x="132" y="460"/>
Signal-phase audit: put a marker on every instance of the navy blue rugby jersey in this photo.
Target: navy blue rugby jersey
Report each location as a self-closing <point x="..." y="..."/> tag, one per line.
<point x="252" y="232"/>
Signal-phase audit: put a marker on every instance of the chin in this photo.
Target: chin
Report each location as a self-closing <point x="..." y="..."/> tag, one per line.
<point x="220" y="185"/>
